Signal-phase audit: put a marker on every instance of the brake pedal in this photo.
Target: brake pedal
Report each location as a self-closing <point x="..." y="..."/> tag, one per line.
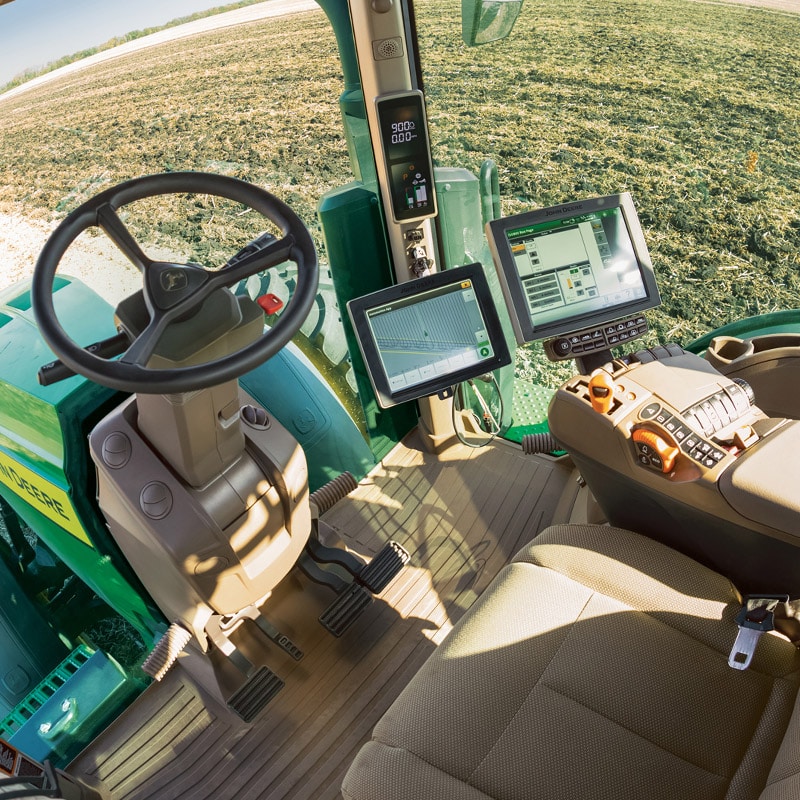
<point x="260" y="685"/>
<point x="385" y="566"/>
<point x="255" y="693"/>
<point x="345" y="609"/>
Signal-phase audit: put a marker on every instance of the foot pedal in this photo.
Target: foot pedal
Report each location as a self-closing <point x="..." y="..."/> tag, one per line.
<point x="252" y="697"/>
<point x="377" y="575"/>
<point x="345" y="609"/>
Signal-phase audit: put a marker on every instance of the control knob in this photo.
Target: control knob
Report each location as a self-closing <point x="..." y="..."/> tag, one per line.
<point x="747" y="388"/>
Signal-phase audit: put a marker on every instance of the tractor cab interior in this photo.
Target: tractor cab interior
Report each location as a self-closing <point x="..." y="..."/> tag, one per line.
<point x="206" y="494"/>
<point x="363" y="547"/>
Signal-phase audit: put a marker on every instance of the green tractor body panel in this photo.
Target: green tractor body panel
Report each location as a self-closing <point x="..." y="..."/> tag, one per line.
<point x="761" y="325"/>
<point x="355" y="241"/>
<point x="45" y="473"/>
<point x="30" y="647"/>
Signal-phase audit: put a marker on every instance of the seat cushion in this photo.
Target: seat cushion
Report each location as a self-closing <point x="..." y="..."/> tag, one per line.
<point x="594" y="666"/>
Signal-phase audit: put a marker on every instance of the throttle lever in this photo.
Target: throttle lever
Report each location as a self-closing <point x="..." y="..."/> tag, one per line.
<point x="601" y="391"/>
<point x="57" y="370"/>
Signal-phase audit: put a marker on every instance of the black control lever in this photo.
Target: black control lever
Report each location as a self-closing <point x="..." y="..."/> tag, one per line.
<point x="259" y="243"/>
<point x="57" y="371"/>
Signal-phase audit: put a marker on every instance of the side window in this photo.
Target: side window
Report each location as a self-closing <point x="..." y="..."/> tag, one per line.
<point x="68" y="662"/>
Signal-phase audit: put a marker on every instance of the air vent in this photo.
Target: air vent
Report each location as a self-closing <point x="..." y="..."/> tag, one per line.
<point x="384" y="49"/>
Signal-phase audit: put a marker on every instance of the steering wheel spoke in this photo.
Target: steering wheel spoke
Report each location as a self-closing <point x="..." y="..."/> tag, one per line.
<point x="142" y="348"/>
<point x="115" y="229"/>
<point x="181" y="294"/>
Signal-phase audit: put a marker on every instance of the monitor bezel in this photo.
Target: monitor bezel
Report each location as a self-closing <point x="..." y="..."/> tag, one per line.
<point x="359" y="307"/>
<point x="524" y="330"/>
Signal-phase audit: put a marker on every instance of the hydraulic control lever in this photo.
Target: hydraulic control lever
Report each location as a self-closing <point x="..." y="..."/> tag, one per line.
<point x="601" y="391"/>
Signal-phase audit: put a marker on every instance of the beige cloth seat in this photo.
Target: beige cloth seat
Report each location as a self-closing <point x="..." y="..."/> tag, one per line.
<point x="594" y="667"/>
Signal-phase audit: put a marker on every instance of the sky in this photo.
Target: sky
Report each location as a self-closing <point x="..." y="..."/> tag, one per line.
<point x="35" y="32"/>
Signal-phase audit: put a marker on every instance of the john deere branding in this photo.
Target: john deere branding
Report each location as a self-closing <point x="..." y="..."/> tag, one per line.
<point x="45" y="497"/>
<point x="173" y="280"/>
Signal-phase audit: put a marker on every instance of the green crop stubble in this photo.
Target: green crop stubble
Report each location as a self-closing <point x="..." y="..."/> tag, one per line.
<point x="694" y="108"/>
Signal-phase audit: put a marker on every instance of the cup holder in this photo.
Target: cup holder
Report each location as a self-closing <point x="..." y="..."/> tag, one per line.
<point x="724" y="350"/>
<point x="729" y="354"/>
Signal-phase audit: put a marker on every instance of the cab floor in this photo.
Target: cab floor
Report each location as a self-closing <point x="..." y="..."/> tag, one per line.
<point x="461" y="516"/>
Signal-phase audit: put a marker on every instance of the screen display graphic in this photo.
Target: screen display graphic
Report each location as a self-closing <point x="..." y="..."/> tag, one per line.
<point x="573" y="266"/>
<point x="440" y="332"/>
<point x="576" y="266"/>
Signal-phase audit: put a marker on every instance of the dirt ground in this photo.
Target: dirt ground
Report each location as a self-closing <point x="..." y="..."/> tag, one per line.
<point x="790" y="6"/>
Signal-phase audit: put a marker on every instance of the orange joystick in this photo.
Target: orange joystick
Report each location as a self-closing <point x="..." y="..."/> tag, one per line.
<point x="601" y="391"/>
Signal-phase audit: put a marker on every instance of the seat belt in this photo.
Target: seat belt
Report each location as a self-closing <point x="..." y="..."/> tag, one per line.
<point x="756" y="617"/>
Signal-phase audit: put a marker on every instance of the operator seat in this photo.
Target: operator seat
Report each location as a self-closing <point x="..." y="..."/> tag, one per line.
<point x="594" y="666"/>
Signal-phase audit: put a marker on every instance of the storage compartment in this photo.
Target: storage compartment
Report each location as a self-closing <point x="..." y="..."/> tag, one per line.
<point x="770" y="364"/>
<point x="762" y="483"/>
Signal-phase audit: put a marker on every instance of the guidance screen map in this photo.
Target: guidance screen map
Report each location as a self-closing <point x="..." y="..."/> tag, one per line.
<point x="435" y="333"/>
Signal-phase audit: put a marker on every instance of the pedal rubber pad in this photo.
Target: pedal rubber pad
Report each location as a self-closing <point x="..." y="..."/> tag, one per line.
<point x="256" y="692"/>
<point x="345" y="609"/>
<point x="386" y="564"/>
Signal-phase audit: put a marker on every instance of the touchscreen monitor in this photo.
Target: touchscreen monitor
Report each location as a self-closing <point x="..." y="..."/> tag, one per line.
<point x="572" y="266"/>
<point x="424" y="336"/>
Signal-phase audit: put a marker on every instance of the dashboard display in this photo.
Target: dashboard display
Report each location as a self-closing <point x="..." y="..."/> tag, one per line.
<point x="423" y="336"/>
<point x="404" y="136"/>
<point x="573" y="266"/>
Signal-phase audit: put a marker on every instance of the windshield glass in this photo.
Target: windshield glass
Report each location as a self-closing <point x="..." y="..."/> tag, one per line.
<point x="692" y="107"/>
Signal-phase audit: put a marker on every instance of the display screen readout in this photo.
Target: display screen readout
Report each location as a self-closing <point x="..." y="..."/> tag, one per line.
<point x="570" y="267"/>
<point x="435" y="333"/>
<point x="407" y="154"/>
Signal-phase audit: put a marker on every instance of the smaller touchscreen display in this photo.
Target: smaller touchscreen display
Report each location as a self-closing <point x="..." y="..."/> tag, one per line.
<point x="424" y="336"/>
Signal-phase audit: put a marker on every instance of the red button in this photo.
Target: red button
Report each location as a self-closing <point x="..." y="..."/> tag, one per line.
<point x="270" y="303"/>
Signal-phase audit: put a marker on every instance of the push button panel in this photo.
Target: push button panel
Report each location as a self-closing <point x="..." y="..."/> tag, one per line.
<point x="596" y="339"/>
<point x="714" y="413"/>
<point x="690" y="431"/>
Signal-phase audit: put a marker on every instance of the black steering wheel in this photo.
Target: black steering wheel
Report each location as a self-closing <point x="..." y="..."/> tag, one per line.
<point x="174" y="291"/>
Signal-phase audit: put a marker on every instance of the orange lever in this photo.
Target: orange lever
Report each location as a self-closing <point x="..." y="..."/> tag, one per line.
<point x="601" y="391"/>
<point x="652" y="444"/>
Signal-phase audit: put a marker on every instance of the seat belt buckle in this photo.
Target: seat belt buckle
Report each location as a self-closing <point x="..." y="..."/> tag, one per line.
<point x="756" y="617"/>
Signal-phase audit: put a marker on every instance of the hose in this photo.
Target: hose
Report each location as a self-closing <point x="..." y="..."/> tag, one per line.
<point x="540" y="443"/>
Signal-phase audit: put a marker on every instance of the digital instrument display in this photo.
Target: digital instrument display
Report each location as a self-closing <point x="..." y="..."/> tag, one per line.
<point x="406" y="151"/>
<point x="424" y="336"/>
<point x="572" y="266"/>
